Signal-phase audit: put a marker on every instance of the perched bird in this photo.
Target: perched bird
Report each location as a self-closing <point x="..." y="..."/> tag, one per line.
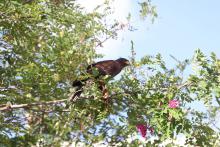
<point x="107" y="67"/>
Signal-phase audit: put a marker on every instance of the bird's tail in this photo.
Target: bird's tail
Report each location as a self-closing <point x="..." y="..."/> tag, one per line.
<point x="79" y="83"/>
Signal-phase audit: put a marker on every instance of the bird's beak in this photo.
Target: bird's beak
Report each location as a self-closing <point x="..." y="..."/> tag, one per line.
<point x="127" y="62"/>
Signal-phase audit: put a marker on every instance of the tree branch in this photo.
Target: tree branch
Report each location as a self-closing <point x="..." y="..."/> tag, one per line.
<point x="9" y="107"/>
<point x="6" y="107"/>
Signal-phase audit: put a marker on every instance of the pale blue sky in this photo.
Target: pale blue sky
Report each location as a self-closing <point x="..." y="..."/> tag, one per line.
<point x="182" y="27"/>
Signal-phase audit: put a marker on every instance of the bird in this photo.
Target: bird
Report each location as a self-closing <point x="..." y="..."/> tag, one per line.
<point x="103" y="68"/>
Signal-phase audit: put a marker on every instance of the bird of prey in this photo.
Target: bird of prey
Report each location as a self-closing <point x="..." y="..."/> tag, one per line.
<point x="107" y="67"/>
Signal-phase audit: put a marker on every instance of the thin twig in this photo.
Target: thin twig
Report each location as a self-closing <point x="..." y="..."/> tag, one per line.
<point x="184" y="85"/>
<point x="121" y="27"/>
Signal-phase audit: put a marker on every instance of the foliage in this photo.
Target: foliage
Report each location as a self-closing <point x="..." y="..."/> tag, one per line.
<point x="47" y="44"/>
<point x="146" y="9"/>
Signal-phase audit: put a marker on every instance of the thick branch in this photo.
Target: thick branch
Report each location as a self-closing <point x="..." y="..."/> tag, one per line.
<point x="6" y="107"/>
<point x="9" y="107"/>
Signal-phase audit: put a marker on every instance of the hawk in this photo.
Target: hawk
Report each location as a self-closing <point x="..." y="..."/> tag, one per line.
<point x="107" y="67"/>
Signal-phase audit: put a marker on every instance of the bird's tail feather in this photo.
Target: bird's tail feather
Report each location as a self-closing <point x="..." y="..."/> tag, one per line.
<point x="79" y="83"/>
<point x="76" y="83"/>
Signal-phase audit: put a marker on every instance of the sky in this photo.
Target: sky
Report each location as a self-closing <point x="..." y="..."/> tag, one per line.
<point x="181" y="27"/>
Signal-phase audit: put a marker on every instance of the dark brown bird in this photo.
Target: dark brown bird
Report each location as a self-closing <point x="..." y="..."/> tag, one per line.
<point x="107" y="67"/>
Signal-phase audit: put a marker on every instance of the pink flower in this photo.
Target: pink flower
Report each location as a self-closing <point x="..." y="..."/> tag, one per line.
<point x="142" y="129"/>
<point x="173" y="103"/>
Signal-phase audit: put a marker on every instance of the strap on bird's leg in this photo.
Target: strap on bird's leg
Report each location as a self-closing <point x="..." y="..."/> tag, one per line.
<point x="75" y="95"/>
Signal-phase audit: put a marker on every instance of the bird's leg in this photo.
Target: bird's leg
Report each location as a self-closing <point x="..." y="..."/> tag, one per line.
<point x="81" y="126"/>
<point x="106" y="97"/>
<point x="105" y="93"/>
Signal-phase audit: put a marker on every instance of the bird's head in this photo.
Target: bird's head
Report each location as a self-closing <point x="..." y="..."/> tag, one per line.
<point x="124" y="62"/>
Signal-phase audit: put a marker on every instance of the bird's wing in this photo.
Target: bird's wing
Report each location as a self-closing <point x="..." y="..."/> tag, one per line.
<point x="108" y="67"/>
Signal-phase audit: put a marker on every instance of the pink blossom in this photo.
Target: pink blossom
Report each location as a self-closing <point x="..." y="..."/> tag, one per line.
<point x="173" y="103"/>
<point x="142" y="129"/>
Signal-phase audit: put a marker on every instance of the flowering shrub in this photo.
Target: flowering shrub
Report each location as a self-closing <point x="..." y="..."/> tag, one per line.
<point x="173" y="103"/>
<point x="142" y="129"/>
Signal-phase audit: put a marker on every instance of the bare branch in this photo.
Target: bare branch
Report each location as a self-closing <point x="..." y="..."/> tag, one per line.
<point x="9" y="107"/>
<point x="186" y="84"/>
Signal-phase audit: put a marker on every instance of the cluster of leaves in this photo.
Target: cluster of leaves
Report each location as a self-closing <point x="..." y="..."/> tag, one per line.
<point x="47" y="44"/>
<point x="146" y="9"/>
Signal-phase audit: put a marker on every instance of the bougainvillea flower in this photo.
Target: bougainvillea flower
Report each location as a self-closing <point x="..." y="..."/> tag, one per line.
<point x="173" y="103"/>
<point x="142" y="129"/>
